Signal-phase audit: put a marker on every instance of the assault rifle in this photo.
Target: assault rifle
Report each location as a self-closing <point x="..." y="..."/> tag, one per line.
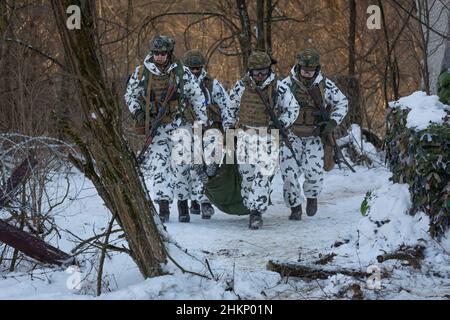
<point x="156" y="123"/>
<point x="316" y="95"/>
<point x="276" y="122"/>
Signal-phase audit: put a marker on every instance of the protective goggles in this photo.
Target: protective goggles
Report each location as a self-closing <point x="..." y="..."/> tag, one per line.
<point x="160" y="53"/>
<point x="196" y="68"/>
<point x="260" y="72"/>
<point x="308" y="69"/>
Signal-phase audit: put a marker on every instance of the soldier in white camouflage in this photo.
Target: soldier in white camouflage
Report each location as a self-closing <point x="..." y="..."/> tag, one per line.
<point x="306" y="133"/>
<point x="145" y="91"/>
<point x="248" y="112"/>
<point x="217" y="100"/>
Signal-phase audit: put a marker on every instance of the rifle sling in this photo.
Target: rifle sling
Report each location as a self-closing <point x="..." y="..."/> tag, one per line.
<point x="147" y="104"/>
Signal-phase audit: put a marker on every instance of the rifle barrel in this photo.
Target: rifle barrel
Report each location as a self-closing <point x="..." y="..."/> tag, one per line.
<point x="277" y="124"/>
<point x="156" y="123"/>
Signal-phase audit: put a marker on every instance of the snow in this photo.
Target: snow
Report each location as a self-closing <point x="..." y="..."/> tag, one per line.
<point x="362" y="146"/>
<point x="424" y="110"/>
<point x="387" y="225"/>
<point x="238" y="256"/>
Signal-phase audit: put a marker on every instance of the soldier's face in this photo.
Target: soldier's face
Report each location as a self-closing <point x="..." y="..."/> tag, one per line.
<point x="160" y="57"/>
<point x="307" y="73"/>
<point x="260" y="75"/>
<point x="196" y="71"/>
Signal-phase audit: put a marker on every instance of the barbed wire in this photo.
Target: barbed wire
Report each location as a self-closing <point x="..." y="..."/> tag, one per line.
<point x="37" y="183"/>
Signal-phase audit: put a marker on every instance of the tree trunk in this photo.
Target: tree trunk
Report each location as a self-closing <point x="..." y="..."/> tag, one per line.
<point x="391" y="70"/>
<point x="245" y="39"/>
<point x="18" y="176"/>
<point x="269" y="14"/>
<point x="311" y="273"/>
<point x="349" y="85"/>
<point x="446" y="61"/>
<point x="352" y="39"/>
<point x="437" y="15"/>
<point x="5" y="68"/>
<point x="260" y="32"/>
<point x="425" y="39"/>
<point x="3" y="19"/>
<point x="108" y="161"/>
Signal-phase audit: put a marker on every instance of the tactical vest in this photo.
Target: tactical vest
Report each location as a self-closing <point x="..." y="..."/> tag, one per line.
<point x="309" y="116"/>
<point x="252" y="112"/>
<point x="213" y="108"/>
<point x="155" y="90"/>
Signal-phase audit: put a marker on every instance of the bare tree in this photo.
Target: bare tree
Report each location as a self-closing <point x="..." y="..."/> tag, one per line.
<point x="245" y="39"/>
<point x="352" y="39"/>
<point x="264" y="12"/>
<point x="108" y="161"/>
<point x="260" y="30"/>
<point x="433" y="15"/>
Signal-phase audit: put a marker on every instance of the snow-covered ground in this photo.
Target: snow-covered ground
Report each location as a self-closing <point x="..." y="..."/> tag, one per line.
<point x="238" y="256"/>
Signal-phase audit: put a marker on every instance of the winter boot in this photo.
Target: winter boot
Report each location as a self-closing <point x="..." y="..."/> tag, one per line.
<point x="164" y="210"/>
<point x="195" y="207"/>
<point x="255" y="221"/>
<point x="183" y="211"/>
<point x="311" y="207"/>
<point x="207" y="210"/>
<point x="296" y="213"/>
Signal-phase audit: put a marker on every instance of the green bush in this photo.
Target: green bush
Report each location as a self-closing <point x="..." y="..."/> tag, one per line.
<point x="365" y="206"/>
<point x="422" y="160"/>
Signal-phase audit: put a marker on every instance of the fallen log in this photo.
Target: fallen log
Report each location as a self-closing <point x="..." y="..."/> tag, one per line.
<point x="311" y="273"/>
<point x="32" y="246"/>
<point x="413" y="256"/>
<point x="20" y="240"/>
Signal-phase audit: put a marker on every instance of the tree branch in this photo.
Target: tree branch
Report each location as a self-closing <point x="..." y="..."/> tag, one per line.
<point x="48" y="57"/>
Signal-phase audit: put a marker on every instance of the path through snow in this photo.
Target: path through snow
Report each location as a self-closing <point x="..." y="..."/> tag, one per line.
<point x="237" y="255"/>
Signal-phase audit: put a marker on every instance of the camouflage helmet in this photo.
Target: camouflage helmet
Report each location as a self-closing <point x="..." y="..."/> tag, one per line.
<point x="308" y="58"/>
<point x="162" y="43"/>
<point x="259" y="60"/>
<point x="194" y="58"/>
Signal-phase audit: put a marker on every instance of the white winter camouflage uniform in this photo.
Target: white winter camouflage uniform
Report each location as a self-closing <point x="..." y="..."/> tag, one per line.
<point x="309" y="150"/>
<point x="168" y="177"/>
<point x="218" y="96"/>
<point x="256" y="183"/>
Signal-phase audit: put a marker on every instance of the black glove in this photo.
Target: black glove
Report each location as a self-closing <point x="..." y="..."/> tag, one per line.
<point x="329" y="127"/>
<point x="318" y="130"/>
<point x="139" y="117"/>
<point x="324" y="128"/>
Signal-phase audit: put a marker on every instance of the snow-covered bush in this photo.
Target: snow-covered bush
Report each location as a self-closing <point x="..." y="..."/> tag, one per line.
<point x="418" y="151"/>
<point x="387" y="225"/>
<point x="359" y="149"/>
